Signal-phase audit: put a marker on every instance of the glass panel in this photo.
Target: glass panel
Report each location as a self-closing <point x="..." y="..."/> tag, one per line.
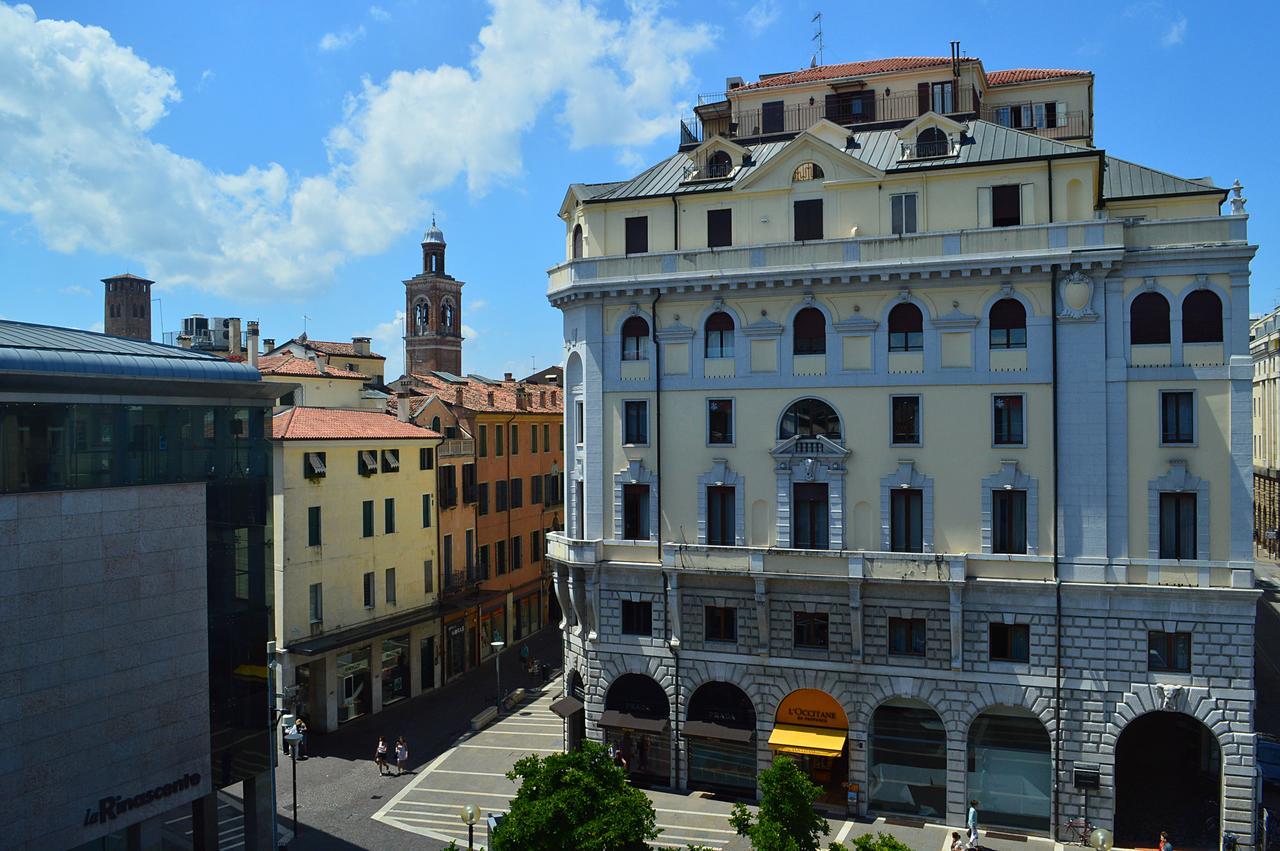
<point x="908" y="765"/>
<point x="395" y="669"/>
<point x="354" y="695"/>
<point x="1010" y="771"/>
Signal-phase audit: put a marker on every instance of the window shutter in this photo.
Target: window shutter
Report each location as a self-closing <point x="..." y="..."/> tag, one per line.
<point x="1060" y="114"/>
<point x="833" y="110"/>
<point x="1028" y="199"/>
<point x="922" y="97"/>
<point x="984" y="206"/>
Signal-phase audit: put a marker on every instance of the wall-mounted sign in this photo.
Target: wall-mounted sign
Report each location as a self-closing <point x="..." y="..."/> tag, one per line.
<point x="113" y="806"/>
<point x="808" y="707"/>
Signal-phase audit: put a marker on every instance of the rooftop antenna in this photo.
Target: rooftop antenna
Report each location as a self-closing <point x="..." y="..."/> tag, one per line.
<point x="305" y="319"/>
<point x="817" y="58"/>
<point x="158" y="301"/>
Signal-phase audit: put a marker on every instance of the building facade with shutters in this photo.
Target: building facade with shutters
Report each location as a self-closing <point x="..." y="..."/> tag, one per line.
<point x="1264" y="344"/>
<point x="916" y="446"/>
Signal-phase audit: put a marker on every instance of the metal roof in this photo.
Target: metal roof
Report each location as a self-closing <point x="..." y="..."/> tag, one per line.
<point x="30" y="348"/>
<point x="1124" y="179"/>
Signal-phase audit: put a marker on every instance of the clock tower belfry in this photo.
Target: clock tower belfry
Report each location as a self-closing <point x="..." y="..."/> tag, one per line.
<point x="433" y="313"/>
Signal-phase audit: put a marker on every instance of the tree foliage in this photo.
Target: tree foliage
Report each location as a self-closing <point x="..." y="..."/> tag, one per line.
<point x="577" y="800"/>
<point x="786" y="821"/>
<point x="869" y="842"/>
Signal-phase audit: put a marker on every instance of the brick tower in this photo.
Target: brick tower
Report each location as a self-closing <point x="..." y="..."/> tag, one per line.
<point x="127" y="312"/>
<point x="433" y="313"/>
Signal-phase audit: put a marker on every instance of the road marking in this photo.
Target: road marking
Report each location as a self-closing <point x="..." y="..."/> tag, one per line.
<point x="511" y="749"/>
<point x="472" y="773"/>
<point x="700" y="840"/>
<point x="844" y="832"/>
<point x="703" y="813"/>
<point x="464" y="792"/>
<point x="526" y="733"/>
<point x="699" y="828"/>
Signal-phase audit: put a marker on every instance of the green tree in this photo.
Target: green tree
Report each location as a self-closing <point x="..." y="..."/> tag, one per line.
<point x="577" y="800"/>
<point x="787" y="821"/>
<point x="867" y="842"/>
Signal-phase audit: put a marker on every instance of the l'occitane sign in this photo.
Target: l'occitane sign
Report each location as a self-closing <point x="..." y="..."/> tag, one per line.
<point x="809" y="707"/>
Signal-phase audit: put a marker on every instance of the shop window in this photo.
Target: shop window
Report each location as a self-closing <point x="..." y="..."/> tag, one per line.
<point x="1009" y="749"/>
<point x="908" y="760"/>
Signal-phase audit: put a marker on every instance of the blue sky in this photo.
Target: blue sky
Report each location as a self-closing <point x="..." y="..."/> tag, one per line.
<point x="276" y="160"/>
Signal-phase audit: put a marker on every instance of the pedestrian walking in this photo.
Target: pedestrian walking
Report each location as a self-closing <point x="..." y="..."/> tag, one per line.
<point x="1165" y="844"/>
<point x="972" y="824"/>
<point x="380" y="756"/>
<point x="402" y="755"/>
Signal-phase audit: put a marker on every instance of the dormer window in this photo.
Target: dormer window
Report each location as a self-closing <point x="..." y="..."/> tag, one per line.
<point x="719" y="164"/>
<point x="932" y="142"/>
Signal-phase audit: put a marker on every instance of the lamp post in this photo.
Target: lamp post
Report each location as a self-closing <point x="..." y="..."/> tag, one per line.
<point x="470" y="815"/>
<point x="294" y="740"/>
<point x="497" y="646"/>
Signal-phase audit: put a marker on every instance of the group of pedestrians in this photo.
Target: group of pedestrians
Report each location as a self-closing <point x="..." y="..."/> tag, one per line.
<point x="970" y="841"/>
<point x="401" y="753"/>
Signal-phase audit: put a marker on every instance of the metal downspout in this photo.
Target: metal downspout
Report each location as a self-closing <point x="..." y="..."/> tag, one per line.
<point x="1057" y="578"/>
<point x="657" y="451"/>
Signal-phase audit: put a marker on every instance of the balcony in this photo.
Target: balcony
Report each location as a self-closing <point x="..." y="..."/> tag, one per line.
<point x="461" y="581"/>
<point x="854" y="109"/>
<point x="456" y="448"/>
<point x="1068" y="125"/>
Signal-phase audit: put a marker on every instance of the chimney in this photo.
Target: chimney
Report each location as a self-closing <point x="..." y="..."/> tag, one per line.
<point x="507" y="378"/>
<point x="522" y="400"/>
<point x="457" y="395"/>
<point x="553" y="398"/>
<point x="252" y="343"/>
<point x="319" y="362"/>
<point x="268" y="343"/>
<point x="402" y="407"/>
<point x="542" y="398"/>
<point x="184" y="341"/>
<point x="361" y="346"/>
<point x="490" y="398"/>
<point x="233" y="336"/>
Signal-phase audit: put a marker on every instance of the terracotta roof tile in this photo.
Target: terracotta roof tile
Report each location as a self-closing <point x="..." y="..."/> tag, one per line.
<point x="1025" y="75"/>
<point x="339" y="424"/>
<point x="852" y="69"/>
<point x="475" y="395"/>
<point x="286" y="364"/>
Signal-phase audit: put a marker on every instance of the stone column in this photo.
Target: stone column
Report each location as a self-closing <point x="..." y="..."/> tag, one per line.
<point x="257" y="813"/>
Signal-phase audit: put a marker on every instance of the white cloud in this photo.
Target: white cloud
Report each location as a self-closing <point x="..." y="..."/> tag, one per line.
<point x="341" y="40"/>
<point x="469" y="333"/>
<point x="76" y="289"/>
<point x="477" y="304"/>
<point x="206" y="76"/>
<point x="76" y="158"/>
<point x="387" y="339"/>
<point x="1176" y="31"/>
<point x="96" y="327"/>
<point x="762" y="15"/>
<point x="379" y="14"/>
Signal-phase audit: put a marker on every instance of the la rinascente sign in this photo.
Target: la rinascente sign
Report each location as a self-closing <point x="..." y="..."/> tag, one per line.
<point x="116" y="805"/>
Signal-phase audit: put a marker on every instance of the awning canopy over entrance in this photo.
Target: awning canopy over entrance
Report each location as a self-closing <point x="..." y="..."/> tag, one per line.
<point x="708" y="730"/>
<point x="625" y="721"/>
<point x="566" y="706"/>
<point x="814" y="741"/>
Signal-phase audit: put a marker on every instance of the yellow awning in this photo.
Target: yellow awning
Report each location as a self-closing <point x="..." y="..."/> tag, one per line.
<point x="815" y="741"/>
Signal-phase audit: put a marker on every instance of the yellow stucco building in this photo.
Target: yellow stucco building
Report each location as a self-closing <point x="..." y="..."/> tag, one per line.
<point x="908" y="433"/>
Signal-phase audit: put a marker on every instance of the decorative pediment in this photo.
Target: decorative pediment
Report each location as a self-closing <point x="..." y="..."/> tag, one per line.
<point x="816" y="448"/>
<point x="838" y="164"/>
<point x="634" y="474"/>
<point x="719" y="143"/>
<point x="1178" y="479"/>
<point x="906" y="476"/>
<point x="830" y="132"/>
<point x="931" y="119"/>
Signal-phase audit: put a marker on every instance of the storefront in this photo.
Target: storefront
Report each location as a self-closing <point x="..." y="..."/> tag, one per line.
<point x="812" y="728"/>
<point x="493" y="625"/>
<point x="395" y="669"/>
<point x="908" y="766"/>
<point x="460" y="640"/>
<point x="528" y="615"/>
<point x="636" y="721"/>
<point x="355" y="696"/>
<point x="719" y="733"/>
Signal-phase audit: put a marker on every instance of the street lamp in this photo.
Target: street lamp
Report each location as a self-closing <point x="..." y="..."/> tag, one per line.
<point x="470" y="815"/>
<point x="294" y="739"/>
<point x="497" y="646"/>
<point x="1101" y="839"/>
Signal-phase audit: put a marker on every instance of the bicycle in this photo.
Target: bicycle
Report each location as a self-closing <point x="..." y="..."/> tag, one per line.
<point x="1079" y="829"/>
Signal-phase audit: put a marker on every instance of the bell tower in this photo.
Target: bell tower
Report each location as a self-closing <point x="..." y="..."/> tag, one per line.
<point x="433" y="313"/>
<point x="127" y="307"/>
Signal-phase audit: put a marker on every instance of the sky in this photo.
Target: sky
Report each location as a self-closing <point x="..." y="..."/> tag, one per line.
<point x="281" y="161"/>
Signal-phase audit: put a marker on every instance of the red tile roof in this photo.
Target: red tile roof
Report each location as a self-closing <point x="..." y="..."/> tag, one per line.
<point x="328" y="347"/>
<point x="287" y="364"/>
<point x="1026" y="75"/>
<point x="475" y="395"/>
<point x="852" y="69"/>
<point x="339" y="424"/>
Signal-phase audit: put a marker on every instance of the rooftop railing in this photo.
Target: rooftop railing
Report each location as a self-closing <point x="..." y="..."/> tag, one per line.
<point x="1067" y="125"/>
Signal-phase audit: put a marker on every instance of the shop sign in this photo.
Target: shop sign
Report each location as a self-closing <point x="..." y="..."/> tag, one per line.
<point x="809" y="707"/>
<point x="117" y="805"/>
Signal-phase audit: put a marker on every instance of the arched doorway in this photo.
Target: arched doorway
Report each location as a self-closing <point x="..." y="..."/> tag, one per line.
<point x="720" y="732"/>
<point x="636" y="722"/>
<point x="907" y="772"/>
<point x="1168" y="777"/>
<point x="1010" y="769"/>
<point x="812" y="728"/>
<point x="572" y="708"/>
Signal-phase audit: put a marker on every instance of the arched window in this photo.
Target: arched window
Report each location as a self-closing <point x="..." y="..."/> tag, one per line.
<point x="635" y="339"/>
<point x="719" y="330"/>
<point x="719" y="164"/>
<point x="446" y="315"/>
<point x="807" y="171"/>
<point x="577" y="241"/>
<point x="435" y="425"/>
<point x="1202" y="317"/>
<point x="421" y="318"/>
<point x="906" y="329"/>
<point x="1149" y="319"/>
<point x="1008" y="324"/>
<point x="809" y="418"/>
<point x="932" y="142"/>
<point x="810" y="332"/>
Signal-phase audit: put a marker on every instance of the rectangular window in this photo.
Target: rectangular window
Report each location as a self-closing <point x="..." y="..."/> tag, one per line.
<point x="637" y="234"/>
<point x="533" y="439"/>
<point x="546" y="437"/>
<point x="497" y="440"/>
<point x="500" y="557"/>
<point x="1178" y="525"/>
<point x="470" y="554"/>
<point x="906" y="420"/>
<point x="500" y="496"/>
<point x="942" y="98"/>
<point x="482" y="498"/>
<point x="809" y="629"/>
<point x="721" y="516"/>
<point x="388" y="516"/>
<point x="903" y="212"/>
<point x="391" y="460"/>
<point x="635" y="423"/>
<point x="906" y="520"/>
<point x="720" y="421"/>
<point x="1169" y="651"/>
<point x="771" y="120"/>
<point x="316" y="608"/>
<point x="517" y="493"/>
<point x="447" y="485"/>
<point x="635" y="512"/>
<point x="721" y="623"/>
<point x="719" y="228"/>
<point x="810" y="528"/>
<point x="391" y="585"/>
<point x="515" y="439"/>
<point x="548" y="490"/>
<point x="468" y="483"/>
<point x="1177" y="417"/>
<point x="517" y="553"/>
<point x="579" y="424"/>
<point x="426" y="511"/>
<point x="1009" y="642"/>
<point x="535" y="547"/>
<point x="313" y="465"/>
<point x="313" y="526"/>
<point x="906" y="636"/>
<point x="426" y="459"/>
<point x="482" y="441"/>
<point x="446" y="556"/>
<point x="367" y="517"/>
<point x="1009" y="521"/>
<point x="637" y="618"/>
<point x="367" y="462"/>
<point x="1006" y="206"/>
<point x="535" y="490"/>
<point x="808" y="219"/>
<point x="482" y="561"/>
<point x="428" y="576"/>
<point x="1008" y="425"/>
<point x="368" y="590"/>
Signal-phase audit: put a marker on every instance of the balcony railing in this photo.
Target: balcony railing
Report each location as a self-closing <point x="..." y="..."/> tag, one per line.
<point x="736" y="123"/>
<point x="1068" y="125"/>
<point x="453" y="448"/>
